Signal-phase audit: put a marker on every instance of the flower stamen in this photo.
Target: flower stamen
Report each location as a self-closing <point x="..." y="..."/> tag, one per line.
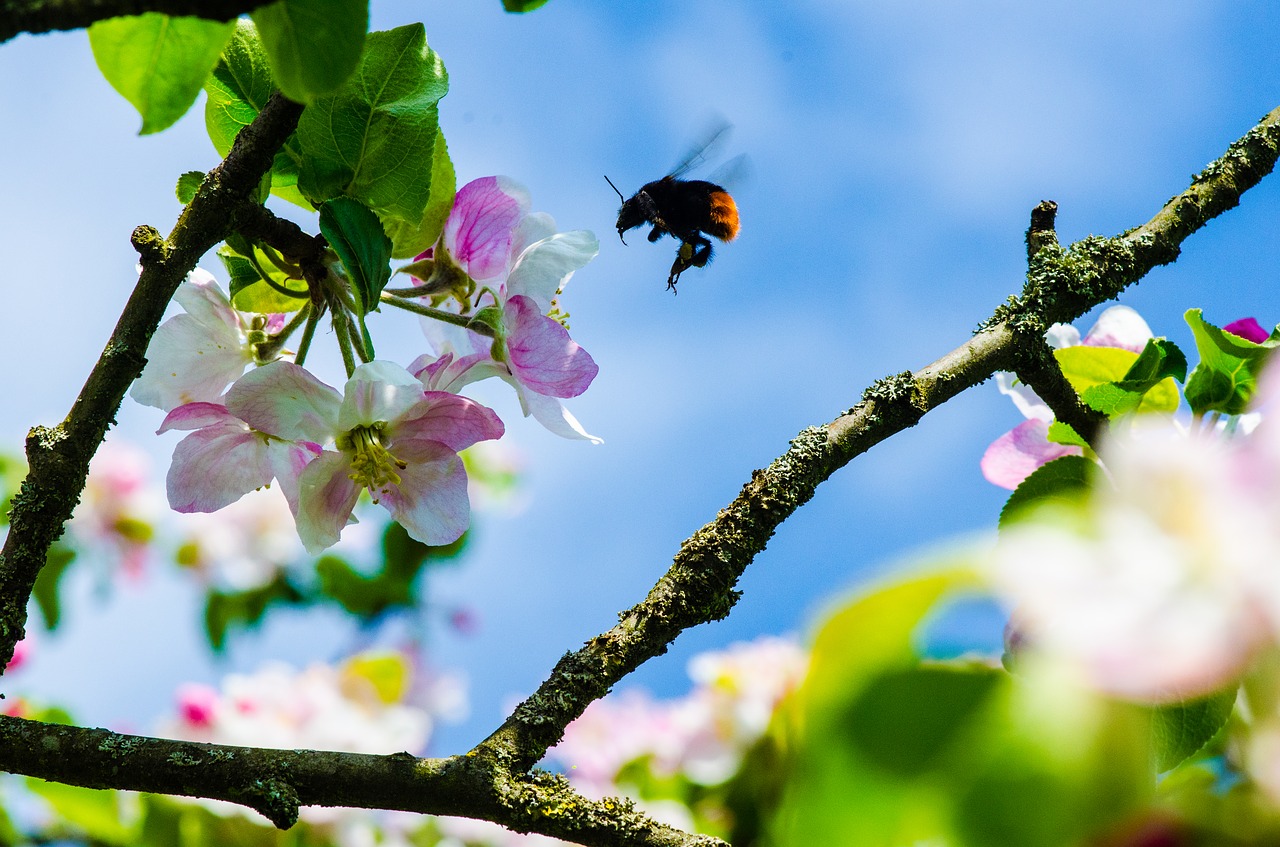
<point x="372" y="465"/>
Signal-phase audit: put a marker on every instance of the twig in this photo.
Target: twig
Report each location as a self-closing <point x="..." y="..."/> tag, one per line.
<point x="37" y="16"/>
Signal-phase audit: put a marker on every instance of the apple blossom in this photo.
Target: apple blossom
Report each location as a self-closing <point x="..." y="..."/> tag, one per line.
<point x="1164" y="587"/>
<point x="523" y="266"/>
<point x="243" y="545"/>
<point x="1013" y="456"/>
<point x="120" y="505"/>
<point x="194" y="356"/>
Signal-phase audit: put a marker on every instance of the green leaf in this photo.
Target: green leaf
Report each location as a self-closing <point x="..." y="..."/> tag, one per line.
<point x="1180" y="730"/>
<point x="225" y="610"/>
<point x="188" y="184"/>
<point x="375" y="139"/>
<point x="312" y="46"/>
<point x="1159" y="360"/>
<point x="158" y="63"/>
<point x="256" y="282"/>
<point x="48" y="582"/>
<point x="95" y="813"/>
<point x="356" y="235"/>
<point x="1060" y="433"/>
<point x="1226" y="377"/>
<point x="905" y="721"/>
<point x="240" y="86"/>
<point x="1065" y="480"/>
<point x="1087" y="368"/>
<point x="364" y="596"/>
<point x="520" y="6"/>
<point x="410" y="238"/>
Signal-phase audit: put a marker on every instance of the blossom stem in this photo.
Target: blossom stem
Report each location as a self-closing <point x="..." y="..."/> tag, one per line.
<point x="464" y="321"/>
<point x="308" y="333"/>
<point x="269" y="350"/>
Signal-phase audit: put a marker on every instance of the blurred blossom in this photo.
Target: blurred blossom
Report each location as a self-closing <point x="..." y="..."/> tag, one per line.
<point x="468" y="832"/>
<point x="242" y="546"/>
<point x="493" y="476"/>
<point x="120" y="505"/>
<point x="1013" y="456"/>
<point x="1166" y="585"/>
<point x="21" y="654"/>
<point x="701" y="737"/>
<point x="360" y="706"/>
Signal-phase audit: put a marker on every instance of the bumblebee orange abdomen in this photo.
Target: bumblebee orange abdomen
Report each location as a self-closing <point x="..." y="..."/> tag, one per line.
<point x="722" y="216"/>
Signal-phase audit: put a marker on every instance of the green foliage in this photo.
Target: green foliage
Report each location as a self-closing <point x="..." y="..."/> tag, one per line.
<point x="1160" y="360"/>
<point x="888" y="749"/>
<point x="375" y="139"/>
<point x="1102" y="375"/>
<point x="1226" y="377"/>
<point x="1066" y="480"/>
<point x="312" y="46"/>
<point x="1061" y="433"/>
<point x="245" y="609"/>
<point x="520" y="6"/>
<point x="92" y="813"/>
<point x="409" y="238"/>
<point x="356" y="235"/>
<point x="1180" y="730"/>
<point x="394" y="585"/>
<point x="240" y="86"/>
<point x="46" y="592"/>
<point x="187" y="186"/>
<point x="158" y="63"/>
<point x="261" y="280"/>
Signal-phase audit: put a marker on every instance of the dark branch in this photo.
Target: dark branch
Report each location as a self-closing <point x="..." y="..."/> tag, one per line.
<point x="1037" y="367"/>
<point x="37" y="16"/>
<point x="277" y="782"/>
<point x="58" y="456"/>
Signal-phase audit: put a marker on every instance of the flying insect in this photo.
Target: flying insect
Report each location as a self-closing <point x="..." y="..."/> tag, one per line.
<point x="687" y="209"/>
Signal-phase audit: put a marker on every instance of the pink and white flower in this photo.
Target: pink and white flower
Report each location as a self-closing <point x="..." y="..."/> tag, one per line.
<point x="386" y="434"/>
<point x="1012" y="457"/>
<point x="193" y="357"/>
<point x="522" y="264"/>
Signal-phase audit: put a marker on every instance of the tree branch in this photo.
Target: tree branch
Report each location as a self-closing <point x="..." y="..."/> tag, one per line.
<point x="58" y="457"/>
<point x="37" y="16"/>
<point x="276" y="783"/>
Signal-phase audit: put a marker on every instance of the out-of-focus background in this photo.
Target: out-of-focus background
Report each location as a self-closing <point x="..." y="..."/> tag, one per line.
<point x="896" y="150"/>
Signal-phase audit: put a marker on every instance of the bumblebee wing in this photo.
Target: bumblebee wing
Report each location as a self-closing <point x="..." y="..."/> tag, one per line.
<point x="735" y="174"/>
<point x="711" y="139"/>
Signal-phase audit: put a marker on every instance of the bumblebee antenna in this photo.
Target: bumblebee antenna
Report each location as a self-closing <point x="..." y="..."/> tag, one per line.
<point x="615" y="188"/>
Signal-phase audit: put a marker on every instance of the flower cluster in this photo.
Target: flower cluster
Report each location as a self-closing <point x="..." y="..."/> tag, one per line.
<point x="391" y="431"/>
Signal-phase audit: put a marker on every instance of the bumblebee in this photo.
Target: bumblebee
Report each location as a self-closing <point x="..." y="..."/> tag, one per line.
<point x="687" y="209"/>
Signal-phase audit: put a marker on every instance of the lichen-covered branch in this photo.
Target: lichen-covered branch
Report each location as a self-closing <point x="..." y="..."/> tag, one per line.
<point x="277" y="782"/>
<point x="1062" y="284"/>
<point x="58" y="457"/>
<point x="37" y="16"/>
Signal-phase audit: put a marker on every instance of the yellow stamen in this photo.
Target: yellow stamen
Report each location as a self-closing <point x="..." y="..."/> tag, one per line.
<point x="372" y="465"/>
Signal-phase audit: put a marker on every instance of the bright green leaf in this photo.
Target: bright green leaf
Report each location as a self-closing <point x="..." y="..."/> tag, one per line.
<point x="519" y="6"/>
<point x="388" y="673"/>
<point x="1065" y="480"/>
<point x="158" y="63"/>
<point x="411" y="238"/>
<point x="240" y="86"/>
<point x="1226" y="377"/>
<point x="312" y="46"/>
<point x="256" y="284"/>
<point x="1180" y="730"/>
<point x="1060" y="433"/>
<point x="245" y="609"/>
<point x="1088" y="367"/>
<point x="356" y="235"/>
<point x="188" y="184"/>
<point x="375" y="139"/>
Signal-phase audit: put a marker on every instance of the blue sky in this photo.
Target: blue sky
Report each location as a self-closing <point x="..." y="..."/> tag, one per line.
<point x="897" y="150"/>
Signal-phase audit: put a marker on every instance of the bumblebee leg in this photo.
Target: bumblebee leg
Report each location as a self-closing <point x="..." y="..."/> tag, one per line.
<point x="656" y="233"/>
<point x="685" y="257"/>
<point x="700" y="251"/>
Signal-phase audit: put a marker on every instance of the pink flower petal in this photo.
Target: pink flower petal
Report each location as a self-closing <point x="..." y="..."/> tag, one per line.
<point x="326" y="496"/>
<point x="447" y="419"/>
<point x="544" y="268"/>
<point x="541" y="353"/>
<point x="479" y="231"/>
<point x="196" y="416"/>
<point x="1249" y="329"/>
<point x="216" y="466"/>
<point x="1119" y="326"/>
<point x="1012" y="457"/>
<point x="285" y="400"/>
<point x="377" y="391"/>
<point x="431" y="500"/>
